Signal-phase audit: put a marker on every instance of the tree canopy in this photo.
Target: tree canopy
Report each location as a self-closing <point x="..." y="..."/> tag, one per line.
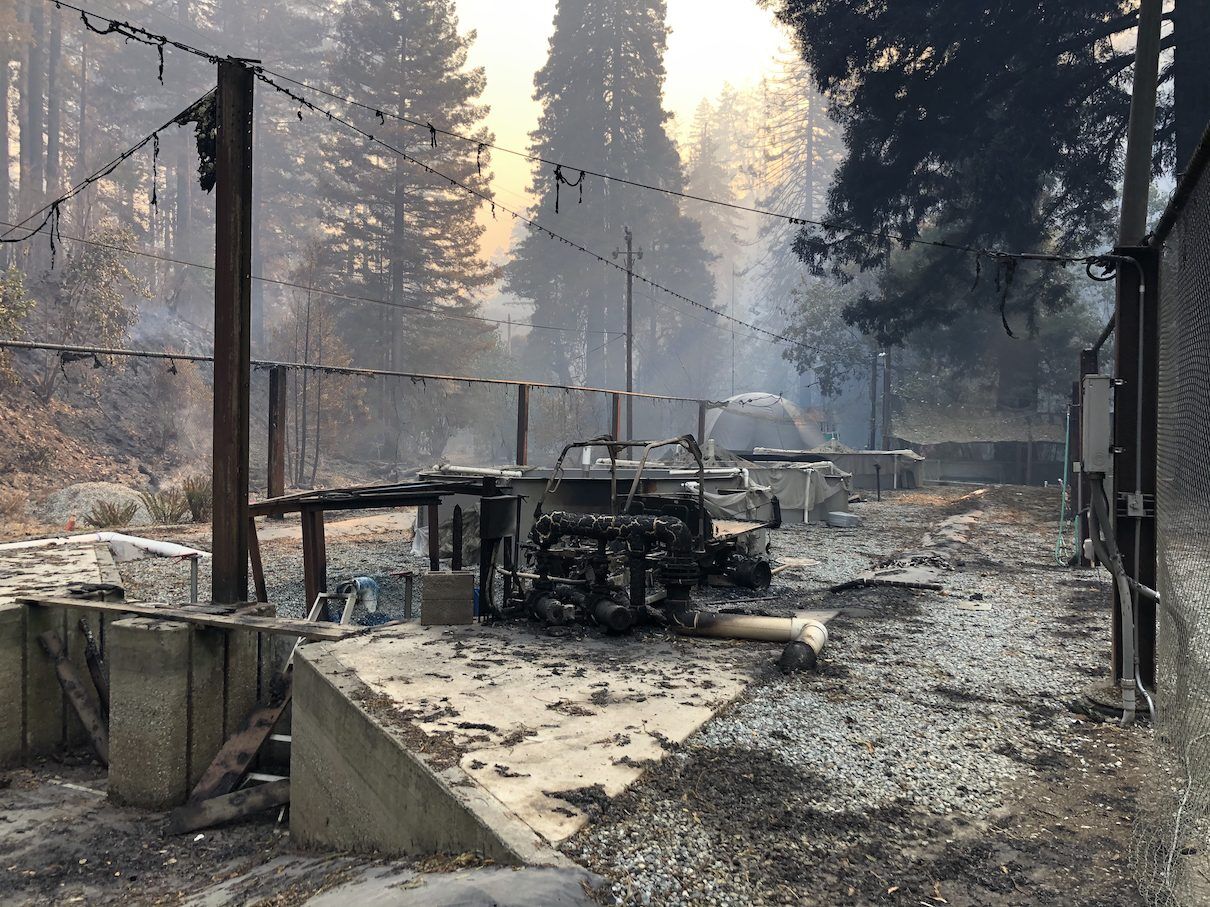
<point x="983" y="125"/>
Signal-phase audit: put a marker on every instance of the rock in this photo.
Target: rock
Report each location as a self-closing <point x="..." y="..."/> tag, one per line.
<point x="838" y="519"/>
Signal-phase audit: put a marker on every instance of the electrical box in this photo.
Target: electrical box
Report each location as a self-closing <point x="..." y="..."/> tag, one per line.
<point x="1096" y="429"/>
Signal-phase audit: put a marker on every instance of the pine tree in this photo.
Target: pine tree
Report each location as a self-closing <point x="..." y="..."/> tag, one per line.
<point x="601" y="92"/>
<point x="400" y="234"/>
<point x="802" y="148"/>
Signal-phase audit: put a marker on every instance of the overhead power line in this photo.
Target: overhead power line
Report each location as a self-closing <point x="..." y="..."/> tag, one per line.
<point x="352" y="297"/>
<point x="159" y="42"/>
<point x="384" y="113"/>
<point x="166" y="355"/>
<point x="51" y="210"/>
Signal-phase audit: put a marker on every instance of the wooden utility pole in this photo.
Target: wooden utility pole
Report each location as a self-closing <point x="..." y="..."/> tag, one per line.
<point x="873" y="443"/>
<point x="232" y="330"/>
<point x="631" y="257"/>
<point x="886" y="400"/>
<point x="522" y="424"/>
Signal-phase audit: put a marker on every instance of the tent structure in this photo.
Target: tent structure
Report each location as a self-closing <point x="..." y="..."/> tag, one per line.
<point x="755" y="419"/>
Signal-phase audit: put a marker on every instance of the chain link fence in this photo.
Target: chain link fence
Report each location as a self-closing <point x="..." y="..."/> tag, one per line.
<point x="1171" y="848"/>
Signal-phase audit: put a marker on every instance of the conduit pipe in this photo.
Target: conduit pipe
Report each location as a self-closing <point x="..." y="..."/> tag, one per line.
<point x="1107" y="553"/>
<point x="804" y="637"/>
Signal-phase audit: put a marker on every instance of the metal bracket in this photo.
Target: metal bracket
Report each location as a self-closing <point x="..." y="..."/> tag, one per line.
<point x="1136" y="504"/>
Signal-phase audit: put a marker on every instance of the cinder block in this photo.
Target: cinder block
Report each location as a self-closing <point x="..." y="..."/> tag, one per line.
<point x="12" y="684"/>
<point x="447" y="599"/>
<point x="44" y="705"/>
<point x="243" y="672"/>
<point x="207" y="686"/>
<point x="148" y="712"/>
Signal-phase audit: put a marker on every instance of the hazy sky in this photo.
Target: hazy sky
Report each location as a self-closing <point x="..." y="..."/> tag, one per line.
<point x="712" y="42"/>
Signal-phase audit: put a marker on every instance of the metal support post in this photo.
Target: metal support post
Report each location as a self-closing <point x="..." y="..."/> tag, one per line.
<point x="522" y="424"/>
<point x="1135" y="407"/>
<point x="277" y="433"/>
<point x="232" y="331"/>
<point x="615" y="418"/>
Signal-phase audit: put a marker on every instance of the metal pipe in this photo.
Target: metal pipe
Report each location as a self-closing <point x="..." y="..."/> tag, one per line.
<point x="804" y="637"/>
<point x="1106" y="549"/>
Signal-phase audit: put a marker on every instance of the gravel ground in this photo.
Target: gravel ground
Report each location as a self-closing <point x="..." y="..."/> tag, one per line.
<point x="908" y="769"/>
<point x="933" y="758"/>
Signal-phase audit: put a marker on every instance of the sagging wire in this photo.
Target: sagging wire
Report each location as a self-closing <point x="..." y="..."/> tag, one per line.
<point x="561" y="180"/>
<point x="261" y="74"/>
<point x="51" y="211"/>
<point x="828" y="226"/>
<point x="158" y="41"/>
<point x="356" y="371"/>
<point x="143" y="253"/>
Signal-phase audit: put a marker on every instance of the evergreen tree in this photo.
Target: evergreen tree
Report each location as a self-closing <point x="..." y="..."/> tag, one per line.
<point x="601" y="92"/>
<point x="981" y="125"/>
<point x="801" y="149"/>
<point x="397" y="233"/>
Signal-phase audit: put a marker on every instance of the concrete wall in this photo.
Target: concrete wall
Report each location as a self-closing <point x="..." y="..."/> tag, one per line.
<point x="355" y="785"/>
<point x="177" y="692"/>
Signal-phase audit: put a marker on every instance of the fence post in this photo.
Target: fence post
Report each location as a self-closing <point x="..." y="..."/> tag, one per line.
<point x="522" y="424"/>
<point x="615" y="420"/>
<point x="277" y="433"/>
<point x="1134" y="429"/>
<point x="701" y="421"/>
<point x="232" y="331"/>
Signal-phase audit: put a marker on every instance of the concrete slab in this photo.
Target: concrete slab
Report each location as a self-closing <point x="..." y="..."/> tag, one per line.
<point x="46" y="571"/>
<point x="524" y="731"/>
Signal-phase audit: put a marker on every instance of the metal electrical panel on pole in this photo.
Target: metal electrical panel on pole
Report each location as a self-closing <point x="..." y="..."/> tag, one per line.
<point x="232" y="330"/>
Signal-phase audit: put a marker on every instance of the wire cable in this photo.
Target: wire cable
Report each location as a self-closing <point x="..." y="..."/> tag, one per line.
<point x="78" y="350"/>
<point x="143" y="253"/>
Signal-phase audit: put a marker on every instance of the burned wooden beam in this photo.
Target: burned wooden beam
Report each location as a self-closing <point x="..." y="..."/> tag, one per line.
<point x="77" y="695"/>
<point x="235" y="758"/>
<point x="229" y="807"/>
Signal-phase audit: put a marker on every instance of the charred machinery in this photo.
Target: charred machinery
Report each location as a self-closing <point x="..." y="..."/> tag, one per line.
<point x="641" y="560"/>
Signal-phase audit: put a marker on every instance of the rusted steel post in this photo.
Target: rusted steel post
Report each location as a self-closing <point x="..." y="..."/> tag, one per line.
<point x="456" y="539"/>
<point x="232" y="331"/>
<point x="277" y="433"/>
<point x="522" y="424"/>
<point x="434" y="538"/>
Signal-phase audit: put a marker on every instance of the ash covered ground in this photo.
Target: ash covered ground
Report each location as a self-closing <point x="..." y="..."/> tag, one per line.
<point x="933" y="759"/>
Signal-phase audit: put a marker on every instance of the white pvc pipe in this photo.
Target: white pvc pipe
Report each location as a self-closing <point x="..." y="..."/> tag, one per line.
<point x="151" y="546"/>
